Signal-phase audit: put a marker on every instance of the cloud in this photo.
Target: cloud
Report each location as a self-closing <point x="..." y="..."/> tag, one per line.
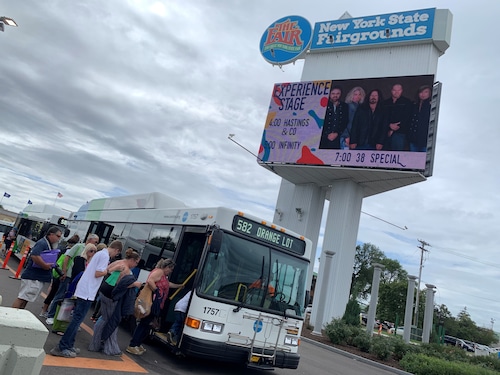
<point x="122" y="97"/>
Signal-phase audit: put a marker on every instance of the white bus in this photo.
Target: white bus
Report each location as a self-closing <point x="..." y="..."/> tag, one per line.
<point x="33" y="222"/>
<point x="248" y="275"/>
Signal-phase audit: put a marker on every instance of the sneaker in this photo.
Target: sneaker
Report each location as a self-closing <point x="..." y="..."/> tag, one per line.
<point x="134" y="350"/>
<point x="142" y="348"/>
<point x="43" y="314"/>
<point x="171" y="339"/>
<point x="75" y="350"/>
<point x="50" y="321"/>
<point x="66" y="353"/>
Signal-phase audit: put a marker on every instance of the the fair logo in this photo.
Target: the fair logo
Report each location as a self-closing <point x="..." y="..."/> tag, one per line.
<point x="286" y="40"/>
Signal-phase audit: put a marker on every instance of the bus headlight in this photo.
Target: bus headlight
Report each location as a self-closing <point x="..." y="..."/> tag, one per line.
<point x="213" y="327"/>
<point x="292" y="340"/>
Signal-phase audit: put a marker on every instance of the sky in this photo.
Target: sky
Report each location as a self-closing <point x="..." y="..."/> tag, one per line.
<point x="101" y="99"/>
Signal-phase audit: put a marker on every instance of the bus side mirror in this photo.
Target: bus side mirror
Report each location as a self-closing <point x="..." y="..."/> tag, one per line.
<point x="215" y="241"/>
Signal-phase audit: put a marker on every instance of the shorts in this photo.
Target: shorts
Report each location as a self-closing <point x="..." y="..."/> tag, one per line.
<point x="30" y="290"/>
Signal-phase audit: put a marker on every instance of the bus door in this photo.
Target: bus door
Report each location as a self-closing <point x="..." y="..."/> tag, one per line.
<point x="103" y="230"/>
<point x="187" y="259"/>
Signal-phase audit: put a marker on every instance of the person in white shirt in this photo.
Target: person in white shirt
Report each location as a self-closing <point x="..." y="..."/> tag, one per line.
<point x="86" y="291"/>
<point x="180" y="309"/>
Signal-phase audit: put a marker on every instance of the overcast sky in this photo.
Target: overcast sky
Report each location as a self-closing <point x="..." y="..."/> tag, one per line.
<point x="123" y="97"/>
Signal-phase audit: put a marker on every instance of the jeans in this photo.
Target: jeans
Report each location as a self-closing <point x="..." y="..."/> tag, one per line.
<point x="141" y="331"/>
<point x="398" y="142"/>
<point x="415" y="148"/>
<point x="82" y="307"/>
<point x="178" y="324"/>
<point x="343" y="145"/>
<point x="59" y="296"/>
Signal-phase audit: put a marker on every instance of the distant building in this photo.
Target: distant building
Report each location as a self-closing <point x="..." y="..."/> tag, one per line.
<point x="6" y="215"/>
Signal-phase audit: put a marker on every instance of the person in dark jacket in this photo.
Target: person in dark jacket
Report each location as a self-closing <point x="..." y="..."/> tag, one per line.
<point x="419" y="127"/>
<point x="367" y="132"/>
<point x="398" y="111"/>
<point x="117" y="297"/>
<point x="336" y="119"/>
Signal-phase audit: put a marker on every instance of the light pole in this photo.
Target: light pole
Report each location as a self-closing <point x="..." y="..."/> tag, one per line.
<point x="6" y="21"/>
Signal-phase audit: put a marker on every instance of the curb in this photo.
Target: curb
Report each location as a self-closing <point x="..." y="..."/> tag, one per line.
<point x="356" y="357"/>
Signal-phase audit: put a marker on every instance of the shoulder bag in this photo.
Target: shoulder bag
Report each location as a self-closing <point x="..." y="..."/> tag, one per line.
<point x="143" y="302"/>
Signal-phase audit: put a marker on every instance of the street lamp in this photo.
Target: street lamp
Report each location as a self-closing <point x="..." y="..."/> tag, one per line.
<point x="6" y="21"/>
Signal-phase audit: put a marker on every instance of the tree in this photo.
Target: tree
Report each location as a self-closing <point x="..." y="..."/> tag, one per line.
<point x="352" y="311"/>
<point x="362" y="274"/>
<point x="392" y="296"/>
<point x="466" y="327"/>
<point x="392" y="301"/>
<point x="393" y="271"/>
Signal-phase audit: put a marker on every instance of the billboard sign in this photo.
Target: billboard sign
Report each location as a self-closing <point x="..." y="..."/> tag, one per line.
<point x="406" y="26"/>
<point x="285" y="40"/>
<point x="370" y="123"/>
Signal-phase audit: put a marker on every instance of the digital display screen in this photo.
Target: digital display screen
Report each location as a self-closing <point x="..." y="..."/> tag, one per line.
<point x="371" y="122"/>
<point x="269" y="235"/>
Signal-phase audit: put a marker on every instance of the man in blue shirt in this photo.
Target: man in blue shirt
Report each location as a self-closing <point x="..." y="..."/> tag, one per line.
<point x="37" y="271"/>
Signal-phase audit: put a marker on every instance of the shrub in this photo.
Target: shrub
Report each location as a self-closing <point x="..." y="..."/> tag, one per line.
<point x="337" y="331"/>
<point x="400" y="348"/>
<point x="352" y="333"/>
<point x="449" y="353"/>
<point x="420" y="364"/>
<point x="381" y="347"/>
<point x="487" y="361"/>
<point x="362" y="341"/>
<point x="352" y="311"/>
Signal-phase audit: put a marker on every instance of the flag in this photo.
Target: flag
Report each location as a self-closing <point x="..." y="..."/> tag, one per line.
<point x="59" y="195"/>
<point x="6" y="195"/>
<point x="30" y="202"/>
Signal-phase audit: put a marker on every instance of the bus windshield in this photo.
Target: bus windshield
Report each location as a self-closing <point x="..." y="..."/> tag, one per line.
<point x="250" y="274"/>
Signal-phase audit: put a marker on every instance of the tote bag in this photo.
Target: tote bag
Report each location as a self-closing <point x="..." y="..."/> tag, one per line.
<point x="65" y="311"/>
<point x="143" y="302"/>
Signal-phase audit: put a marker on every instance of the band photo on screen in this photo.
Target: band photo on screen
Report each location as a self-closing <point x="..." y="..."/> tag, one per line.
<point x="369" y="122"/>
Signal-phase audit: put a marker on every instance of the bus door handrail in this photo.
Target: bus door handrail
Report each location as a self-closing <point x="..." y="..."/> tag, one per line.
<point x="183" y="284"/>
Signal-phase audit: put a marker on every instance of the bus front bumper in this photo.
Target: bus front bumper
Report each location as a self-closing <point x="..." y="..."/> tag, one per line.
<point x="223" y="352"/>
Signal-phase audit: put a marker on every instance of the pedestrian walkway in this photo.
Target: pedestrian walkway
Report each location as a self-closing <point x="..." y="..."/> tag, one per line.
<point x="87" y="360"/>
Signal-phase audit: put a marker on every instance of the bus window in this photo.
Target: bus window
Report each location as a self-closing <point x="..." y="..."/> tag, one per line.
<point x="255" y="275"/>
<point x="188" y="256"/>
<point x="120" y="230"/>
<point x="138" y="237"/>
<point x="162" y="243"/>
<point x="230" y="273"/>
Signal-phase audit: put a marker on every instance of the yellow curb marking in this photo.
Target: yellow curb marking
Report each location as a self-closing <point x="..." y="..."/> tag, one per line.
<point x="123" y="363"/>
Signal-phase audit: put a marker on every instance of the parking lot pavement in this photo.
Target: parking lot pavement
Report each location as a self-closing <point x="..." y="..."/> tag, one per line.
<point x="87" y="362"/>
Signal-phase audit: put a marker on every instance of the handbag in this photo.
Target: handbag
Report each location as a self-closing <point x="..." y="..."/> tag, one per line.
<point x="66" y="309"/>
<point x="156" y="306"/>
<point x="143" y="302"/>
<point x="59" y="326"/>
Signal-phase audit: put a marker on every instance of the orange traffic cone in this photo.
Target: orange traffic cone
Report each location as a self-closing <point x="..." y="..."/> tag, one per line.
<point x="21" y="265"/>
<point x="7" y="257"/>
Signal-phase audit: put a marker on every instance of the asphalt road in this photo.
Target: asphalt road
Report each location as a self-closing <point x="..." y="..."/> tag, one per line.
<point x="315" y="358"/>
